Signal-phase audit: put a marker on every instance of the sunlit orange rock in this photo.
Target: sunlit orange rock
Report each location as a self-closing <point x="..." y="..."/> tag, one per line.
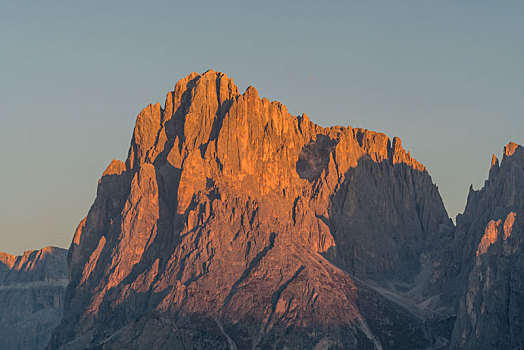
<point x="235" y="224"/>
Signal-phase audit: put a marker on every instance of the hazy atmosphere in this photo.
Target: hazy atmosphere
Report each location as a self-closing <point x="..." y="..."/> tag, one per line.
<point x="446" y="77"/>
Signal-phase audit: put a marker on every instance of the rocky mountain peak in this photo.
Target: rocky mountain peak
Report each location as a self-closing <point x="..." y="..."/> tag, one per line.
<point x="487" y="243"/>
<point x="233" y="216"/>
<point x="494" y="162"/>
<point x="510" y="149"/>
<point x="7" y="260"/>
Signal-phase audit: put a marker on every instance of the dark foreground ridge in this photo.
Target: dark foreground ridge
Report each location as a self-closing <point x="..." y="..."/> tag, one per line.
<point x="235" y="225"/>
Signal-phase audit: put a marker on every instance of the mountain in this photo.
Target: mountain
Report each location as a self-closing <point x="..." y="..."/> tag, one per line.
<point x="234" y="224"/>
<point x="490" y="258"/>
<point x="32" y="288"/>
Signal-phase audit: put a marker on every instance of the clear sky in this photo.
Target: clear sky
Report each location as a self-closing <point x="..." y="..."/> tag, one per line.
<point x="447" y="77"/>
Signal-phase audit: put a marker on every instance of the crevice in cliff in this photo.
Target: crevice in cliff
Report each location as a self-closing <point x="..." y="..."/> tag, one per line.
<point x="277" y="294"/>
<point x="252" y="265"/>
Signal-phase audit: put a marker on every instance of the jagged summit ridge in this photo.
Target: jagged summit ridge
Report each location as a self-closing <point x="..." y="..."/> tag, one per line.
<point x="153" y="123"/>
<point x="481" y="269"/>
<point x="235" y="222"/>
<point x="490" y="310"/>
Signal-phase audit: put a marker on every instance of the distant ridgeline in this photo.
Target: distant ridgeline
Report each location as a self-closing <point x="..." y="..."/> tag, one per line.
<point x="32" y="289"/>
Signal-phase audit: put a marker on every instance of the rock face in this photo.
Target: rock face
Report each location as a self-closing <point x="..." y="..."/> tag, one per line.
<point x="490" y="240"/>
<point x="32" y="288"/>
<point x="233" y="224"/>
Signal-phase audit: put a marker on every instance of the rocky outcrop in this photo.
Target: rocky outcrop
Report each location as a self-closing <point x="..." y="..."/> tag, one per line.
<point x="32" y="288"/>
<point x="489" y="238"/>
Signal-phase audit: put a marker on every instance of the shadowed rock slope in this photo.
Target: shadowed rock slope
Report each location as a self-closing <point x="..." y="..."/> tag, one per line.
<point x="233" y="224"/>
<point x="488" y="260"/>
<point x="32" y="288"/>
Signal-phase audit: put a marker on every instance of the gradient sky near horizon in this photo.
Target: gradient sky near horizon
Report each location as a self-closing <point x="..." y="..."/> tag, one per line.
<point x="447" y="77"/>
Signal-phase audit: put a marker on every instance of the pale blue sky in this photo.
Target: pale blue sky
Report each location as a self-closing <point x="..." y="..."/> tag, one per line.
<point x="447" y="77"/>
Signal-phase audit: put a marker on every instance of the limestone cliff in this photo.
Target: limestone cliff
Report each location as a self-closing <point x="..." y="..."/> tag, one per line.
<point x="32" y="288"/>
<point x="233" y="224"/>
<point x="490" y="257"/>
